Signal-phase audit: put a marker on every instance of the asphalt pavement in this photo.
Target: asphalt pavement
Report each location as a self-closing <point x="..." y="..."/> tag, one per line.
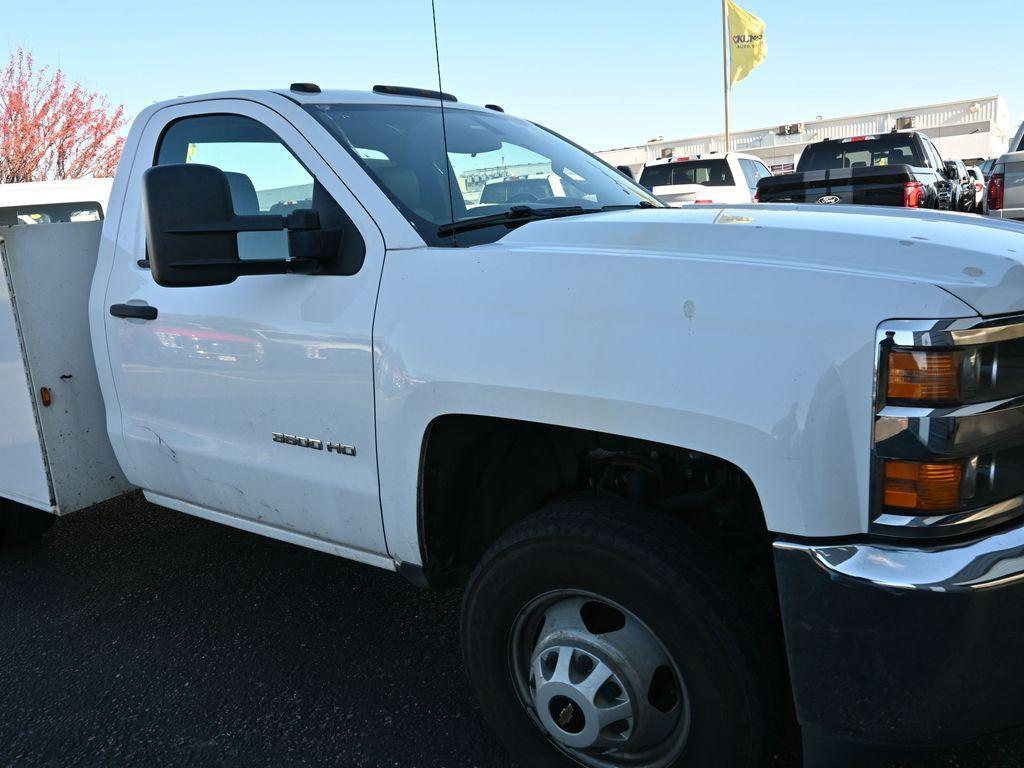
<point x="135" y="636"/>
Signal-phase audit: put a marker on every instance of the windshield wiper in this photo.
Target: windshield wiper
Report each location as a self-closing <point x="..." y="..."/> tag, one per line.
<point x="514" y="216"/>
<point x="629" y="206"/>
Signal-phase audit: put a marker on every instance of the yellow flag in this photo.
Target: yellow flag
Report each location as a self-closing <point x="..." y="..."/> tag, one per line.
<point x="747" y="46"/>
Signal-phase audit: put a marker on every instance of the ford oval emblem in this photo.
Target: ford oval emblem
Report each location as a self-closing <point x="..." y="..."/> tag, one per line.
<point x="830" y="199"/>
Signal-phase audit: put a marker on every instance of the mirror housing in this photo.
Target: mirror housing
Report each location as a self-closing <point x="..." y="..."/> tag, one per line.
<point x="192" y="230"/>
<point x="626" y="171"/>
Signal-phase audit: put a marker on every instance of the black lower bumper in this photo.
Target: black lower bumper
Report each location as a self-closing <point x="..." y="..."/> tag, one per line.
<point x="903" y="645"/>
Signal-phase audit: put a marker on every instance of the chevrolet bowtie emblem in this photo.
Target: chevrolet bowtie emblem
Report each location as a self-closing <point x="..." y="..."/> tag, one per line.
<point x="566" y="715"/>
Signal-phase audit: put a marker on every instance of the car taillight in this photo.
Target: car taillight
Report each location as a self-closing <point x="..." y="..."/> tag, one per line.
<point x="703" y="202"/>
<point x="913" y="194"/>
<point x="757" y="195"/>
<point x="995" y="192"/>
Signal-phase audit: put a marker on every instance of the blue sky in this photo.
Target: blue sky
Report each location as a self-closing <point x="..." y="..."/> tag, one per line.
<point x="605" y="73"/>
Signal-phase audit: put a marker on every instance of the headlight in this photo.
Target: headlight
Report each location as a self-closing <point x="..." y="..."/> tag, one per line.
<point x="923" y="485"/>
<point x="924" y="377"/>
<point x="980" y="373"/>
<point x="949" y="426"/>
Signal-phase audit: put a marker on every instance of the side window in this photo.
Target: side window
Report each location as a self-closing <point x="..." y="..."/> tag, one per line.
<point x="762" y="170"/>
<point x="749" y="174"/>
<point x="50" y="213"/>
<point x="264" y="176"/>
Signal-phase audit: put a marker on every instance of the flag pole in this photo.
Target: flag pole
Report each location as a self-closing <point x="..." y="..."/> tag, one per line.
<point x="725" y="67"/>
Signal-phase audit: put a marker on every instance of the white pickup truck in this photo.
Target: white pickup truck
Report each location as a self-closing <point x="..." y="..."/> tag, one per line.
<point x="695" y="467"/>
<point x="715" y="179"/>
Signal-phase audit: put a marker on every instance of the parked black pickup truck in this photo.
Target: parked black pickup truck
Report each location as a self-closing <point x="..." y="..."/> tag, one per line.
<point x="900" y="169"/>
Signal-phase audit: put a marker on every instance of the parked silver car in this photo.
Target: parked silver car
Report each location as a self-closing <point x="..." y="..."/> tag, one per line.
<point x="1004" y="197"/>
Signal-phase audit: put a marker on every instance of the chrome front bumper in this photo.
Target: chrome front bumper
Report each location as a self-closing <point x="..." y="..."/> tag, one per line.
<point x="993" y="561"/>
<point x="905" y="645"/>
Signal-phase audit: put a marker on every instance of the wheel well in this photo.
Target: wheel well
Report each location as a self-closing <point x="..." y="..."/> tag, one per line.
<point x="480" y="475"/>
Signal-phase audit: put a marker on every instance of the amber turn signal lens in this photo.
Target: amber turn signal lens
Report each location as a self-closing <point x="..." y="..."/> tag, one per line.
<point x="925" y="376"/>
<point x="923" y="485"/>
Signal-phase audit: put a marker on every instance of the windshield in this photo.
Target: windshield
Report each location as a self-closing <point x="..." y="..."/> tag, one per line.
<point x="495" y="162"/>
<point x="707" y="173"/>
<point x="892" y="149"/>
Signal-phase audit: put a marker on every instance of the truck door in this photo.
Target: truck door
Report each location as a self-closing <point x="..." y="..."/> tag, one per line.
<point x="252" y="403"/>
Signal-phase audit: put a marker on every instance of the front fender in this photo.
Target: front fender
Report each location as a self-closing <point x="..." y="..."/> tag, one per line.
<point x="767" y="366"/>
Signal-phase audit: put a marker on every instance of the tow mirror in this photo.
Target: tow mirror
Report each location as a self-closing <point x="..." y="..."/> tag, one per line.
<point x="192" y="230"/>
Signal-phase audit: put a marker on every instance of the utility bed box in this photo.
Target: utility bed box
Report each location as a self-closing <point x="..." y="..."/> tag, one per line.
<point x="54" y="450"/>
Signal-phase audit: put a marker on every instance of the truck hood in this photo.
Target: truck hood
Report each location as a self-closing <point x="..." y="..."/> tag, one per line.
<point x="978" y="260"/>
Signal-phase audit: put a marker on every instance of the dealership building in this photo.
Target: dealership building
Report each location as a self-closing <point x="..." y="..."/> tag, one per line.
<point x="970" y="130"/>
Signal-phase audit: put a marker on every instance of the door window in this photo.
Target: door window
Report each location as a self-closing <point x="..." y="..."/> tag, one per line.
<point x="934" y="154"/>
<point x="754" y="172"/>
<point x="749" y="174"/>
<point x="263" y="174"/>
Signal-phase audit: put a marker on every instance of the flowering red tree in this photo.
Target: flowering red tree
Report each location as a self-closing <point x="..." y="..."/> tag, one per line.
<point x="52" y="129"/>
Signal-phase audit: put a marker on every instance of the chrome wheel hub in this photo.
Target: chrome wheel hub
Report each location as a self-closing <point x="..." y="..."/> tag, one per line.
<point x="579" y="699"/>
<point x="599" y="682"/>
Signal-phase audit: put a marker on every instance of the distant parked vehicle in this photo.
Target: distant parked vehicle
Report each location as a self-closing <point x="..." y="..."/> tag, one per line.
<point x="978" y="178"/>
<point x="898" y="169"/>
<point x="52" y="202"/>
<point x="986" y="166"/>
<point x="965" y="191"/>
<point x="528" y="188"/>
<point x="728" y="178"/>
<point x="1005" y="196"/>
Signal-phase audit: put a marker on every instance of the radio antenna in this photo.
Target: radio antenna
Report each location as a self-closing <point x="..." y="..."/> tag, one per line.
<point x="444" y="126"/>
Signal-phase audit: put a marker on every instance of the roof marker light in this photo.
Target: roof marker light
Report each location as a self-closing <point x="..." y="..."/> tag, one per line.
<point x="423" y="93"/>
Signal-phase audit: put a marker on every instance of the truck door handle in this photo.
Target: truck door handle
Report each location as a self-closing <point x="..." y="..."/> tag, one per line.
<point x="140" y="311"/>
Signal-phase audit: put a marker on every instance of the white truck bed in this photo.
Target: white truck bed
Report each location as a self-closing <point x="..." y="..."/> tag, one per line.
<point x="58" y="457"/>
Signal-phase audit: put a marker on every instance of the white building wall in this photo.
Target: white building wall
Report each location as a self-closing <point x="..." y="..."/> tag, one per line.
<point x="972" y="128"/>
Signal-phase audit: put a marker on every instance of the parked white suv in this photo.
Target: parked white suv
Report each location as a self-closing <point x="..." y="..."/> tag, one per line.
<point x="716" y="179"/>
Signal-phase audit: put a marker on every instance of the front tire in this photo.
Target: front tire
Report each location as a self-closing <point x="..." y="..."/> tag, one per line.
<point x="601" y="634"/>
<point x="20" y="524"/>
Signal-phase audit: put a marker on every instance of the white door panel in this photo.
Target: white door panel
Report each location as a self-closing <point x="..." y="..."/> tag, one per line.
<point x="203" y="388"/>
<point x="22" y="467"/>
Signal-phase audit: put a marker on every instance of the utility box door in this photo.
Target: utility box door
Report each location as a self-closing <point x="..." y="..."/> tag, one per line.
<point x="48" y="269"/>
<point x="22" y="466"/>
